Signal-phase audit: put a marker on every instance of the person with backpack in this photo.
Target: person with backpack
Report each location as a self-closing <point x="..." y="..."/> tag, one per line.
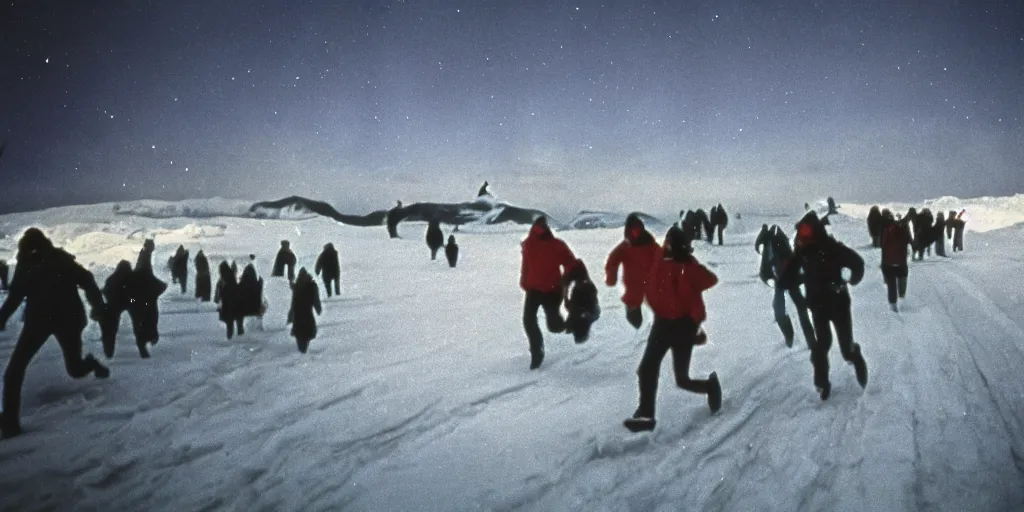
<point x="674" y="292"/>
<point x="544" y="260"/>
<point x="635" y="254"/>
<point x="821" y="259"/>
<point x="581" y="302"/>
<point x="896" y="238"/>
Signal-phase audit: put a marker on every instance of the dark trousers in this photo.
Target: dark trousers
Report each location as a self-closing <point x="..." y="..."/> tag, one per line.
<point x="895" y="281"/>
<point x="203" y="287"/>
<point x="940" y="246"/>
<point x="834" y="310"/>
<point x="433" y="252"/>
<point x="551" y="302"/>
<point x="237" y="323"/>
<point x="720" y="229"/>
<point x="781" y="318"/>
<point x="31" y="340"/>
<point x="337" y="285"/>
<point x="675" y="335"/>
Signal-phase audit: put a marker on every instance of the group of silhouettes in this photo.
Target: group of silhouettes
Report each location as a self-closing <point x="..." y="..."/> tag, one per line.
<point x="47" y="279"/>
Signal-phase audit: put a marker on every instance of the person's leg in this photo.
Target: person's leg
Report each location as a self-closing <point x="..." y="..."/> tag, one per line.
<point x="552" y="304"/>
<point x="531" y="305"/>
<point x="76" y="365"/>
<point x="650" y="368"/>
<point x="28" y="344"/>
<point x="781" y="318"/>
<point x="800" y="303"/>
<point x="822" y="344"/>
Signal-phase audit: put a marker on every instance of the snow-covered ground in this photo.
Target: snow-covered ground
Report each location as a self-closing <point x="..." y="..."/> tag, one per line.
<point x="416" y="394"/>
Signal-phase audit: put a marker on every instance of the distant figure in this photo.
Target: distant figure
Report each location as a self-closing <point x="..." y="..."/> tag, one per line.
<point x="807" y="206"/>
<point x="305" y="301"/>
<point x="435" y="237"/>
<point x="483" y="191"/>
<point x="959" y="222"/>
<point x="47" y="279"/>
<point x="250" y="291"/>
<point x="179" y="268"/>
<point x="949" y="227"/>
<point x="938" y="234"/>
<point x="284" y="262"/>
<point x="328" y="267"/>
<point x="545" y="258"/>
<point x="635" y="254"/>
<point x="581" y="303"/>
<point x="451" y="251"/>
<point x="720" y="220"/>
<point x="144" y="309"/>
<point x="145" y="261"/>
<point x="833" y="208"/>
<point x="120" y="291"/>
<point x="875" y="226"/>
<point x="227" y="297"/>
<point x="923" y="231"/>
<point x="702" y="222"/>
<point x="4" y="273"/>
<point x="203" y="280"/>
<point x="395" y="215"/>
<point x="896" y="239"/>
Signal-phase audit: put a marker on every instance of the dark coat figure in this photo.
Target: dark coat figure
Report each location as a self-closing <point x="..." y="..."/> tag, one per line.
<point x="284" y="262"/>
<point x="120" y="292"/>
<point x="203" y="281"/>
<point x="545" y="260"/>
<point x="923" y="230"/>
<point x="305" y="301"/>
<point x="959" y="222"/>
<point x="47" y="279"/>
<point x="875" y="226"/>
<point x="328" y="267"/>
<point x="702" y="224"/>
<point x="145" y="261"/>
<point x="895" y="241"/>
<point x="4" y="274"/>
<point x="949" y="227"/>
<point x="144" y="309"/>
<point x="581" y="303"/>
<point x="435" y="238"/>
<point x="689" y="225"/>
<point x="832" y="206"/>
<point x="675" y="294"/>
<point x="483" y="191"/>
<point x="395" y="216"/>
<point x="774" y="256"/>
<point x="720" y="220"/>
<point x="228" y="297"/>
<point x="451" y="251"/>
<point x="179" y="268"/>
<point x="938" y="235"/>
<point x="250" y="288"/>
<point x="821" y="258"/>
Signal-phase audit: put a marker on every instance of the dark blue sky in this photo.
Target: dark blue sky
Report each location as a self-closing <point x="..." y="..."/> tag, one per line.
<point x="560" y="105"/>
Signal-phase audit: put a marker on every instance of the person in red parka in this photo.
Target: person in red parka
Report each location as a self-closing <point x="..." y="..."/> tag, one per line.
<point x="896" y="238"/>
<point x="546" y="260"/>
<point x="635" y="254"/>
<point x="673" y="292"/>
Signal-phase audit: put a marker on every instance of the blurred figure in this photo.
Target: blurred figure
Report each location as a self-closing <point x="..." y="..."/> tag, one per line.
<point x="284" y="262"/>
<point x="581" y="304"/>
<point x="895" y="241"/>
<point x="179" y="268"/>
<point x="328" y="267"/>
<point x="203" y="280"/>
<point x="776" y="253"/>
<point x="305" y="301"/>
<point x="959" y="222"/>
<point x="875" y="226"/>
<point x="227" y="297"/>
<point x="636" y="254"/>
<point x="451" y="250"/>
<point x="435" y="238"/>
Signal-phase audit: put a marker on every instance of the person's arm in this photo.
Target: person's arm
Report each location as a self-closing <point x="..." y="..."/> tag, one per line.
<point x="611" y="266"/>
<point x="851" y="260"/>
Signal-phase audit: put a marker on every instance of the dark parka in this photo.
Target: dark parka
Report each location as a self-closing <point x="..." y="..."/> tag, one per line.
<point x="435" y="238"/>
<point x="203" y="280"/>
<point x="451" y="251"/>
<point x="305" y="301"/>
<point x="284" y="262"/>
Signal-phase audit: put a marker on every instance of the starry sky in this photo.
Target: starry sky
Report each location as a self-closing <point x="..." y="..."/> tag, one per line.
<point x="656" y="106"/>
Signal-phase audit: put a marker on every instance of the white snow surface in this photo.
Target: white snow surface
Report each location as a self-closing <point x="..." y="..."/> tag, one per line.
<point x="416" y="395"/>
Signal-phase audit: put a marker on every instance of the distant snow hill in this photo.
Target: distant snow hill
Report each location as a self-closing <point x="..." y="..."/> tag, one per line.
<point x="295" y="208"/>
<point x="587" y="219"/>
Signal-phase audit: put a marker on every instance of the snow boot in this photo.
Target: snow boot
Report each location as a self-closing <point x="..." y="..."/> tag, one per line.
<point x="9" y="427"/>
<point x="786" y="326"/>
<point x="892" y="306"/>
<point x="714" y="393"/>
<point x="143" y="351"/>
<point x="536" y="360"/>
<point x="100" y="371"/>
<point x="859" y="366"/>
<point x="824" y="390"/>
<point x="639" y="424"/>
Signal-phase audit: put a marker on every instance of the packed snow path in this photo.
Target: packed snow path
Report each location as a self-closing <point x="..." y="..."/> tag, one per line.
<point x="416" y="394"/>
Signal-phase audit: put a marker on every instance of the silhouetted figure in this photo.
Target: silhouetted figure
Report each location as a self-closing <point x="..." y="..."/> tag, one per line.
<point x="451" y="251"/>
<point x="807" y="206"/>
<point x="720" y="220"/>
<point x="4" y="274"/>
<point x="284" y="262"/>
<point x="305" y="301"/>
<point x="119" y="291"/>
<point x="581" y="304"/>
<point x="145" y="261"/>
<point x="144" y="309"/>
<point x="875" y="226"/>
<point x="923" y="231"/>
<point x="703" y="222"/>
<point x="483" y="191"/>
<point x="833" y="208"/>
<point x="227" y="296"/>
<point x="895" y="241"/>
<point x="250" y="289"/>
<point x="179" y="268"/>
<point x="938" y="234"/>
<point x="959" y="222"/>
<point x="819" y="260"/>
<point x="949" y="227"/>
<point x="47" y="279"/>
<point x="328" y="267"/>
<point x="545" y="258"/>
<point x="395" y="216"/>
<point x="435" y="238"/>
<point x="204" y="283"/>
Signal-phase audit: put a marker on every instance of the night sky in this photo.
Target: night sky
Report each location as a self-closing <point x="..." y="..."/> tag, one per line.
<point x="656" y="106"/>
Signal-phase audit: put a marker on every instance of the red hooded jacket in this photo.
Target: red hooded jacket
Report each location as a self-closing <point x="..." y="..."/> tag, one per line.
<point x="674" y="288"/>
<point x="544" y="258"/>
<point x="636" y="261"/>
